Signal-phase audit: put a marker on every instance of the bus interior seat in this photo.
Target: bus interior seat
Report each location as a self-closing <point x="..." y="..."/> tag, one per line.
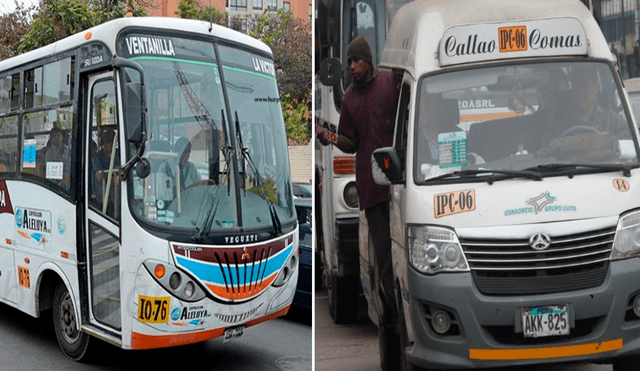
<point x="450" y="115"/>
<point x="496" y="139"/>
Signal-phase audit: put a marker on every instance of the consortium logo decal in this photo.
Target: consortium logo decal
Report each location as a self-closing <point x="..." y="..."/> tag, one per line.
<point x="544" y="202"/>
<point x="539" y="202"/>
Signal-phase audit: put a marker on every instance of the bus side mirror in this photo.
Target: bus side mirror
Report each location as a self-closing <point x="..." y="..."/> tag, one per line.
<point x="330" y="71"/>
<point x="386" y="166"/>
<point x="133" y="116"/>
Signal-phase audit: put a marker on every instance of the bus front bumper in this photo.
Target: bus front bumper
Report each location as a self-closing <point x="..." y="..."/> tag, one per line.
<point x="485" y="331"/>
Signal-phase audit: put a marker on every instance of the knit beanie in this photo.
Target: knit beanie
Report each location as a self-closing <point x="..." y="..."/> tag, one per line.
<point x="360" y="48"/>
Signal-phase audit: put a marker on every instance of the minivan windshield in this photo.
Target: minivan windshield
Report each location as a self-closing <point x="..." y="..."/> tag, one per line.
<point x="528" y="119"/>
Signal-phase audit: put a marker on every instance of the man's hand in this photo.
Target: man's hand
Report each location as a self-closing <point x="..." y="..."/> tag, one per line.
<point x="324" y="141"/>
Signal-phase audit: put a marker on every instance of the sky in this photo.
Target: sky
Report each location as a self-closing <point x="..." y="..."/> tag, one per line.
<point x="8" y="6"/>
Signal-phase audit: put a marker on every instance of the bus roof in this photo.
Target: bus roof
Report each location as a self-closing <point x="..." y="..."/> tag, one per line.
<point x="108" y="31"/>
<point x="420" y="31"/>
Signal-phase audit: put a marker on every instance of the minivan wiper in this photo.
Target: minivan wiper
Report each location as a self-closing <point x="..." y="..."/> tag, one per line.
<point x="275" y="220"/>
<point x="571" y="169"/>
<point x="489" y="175"/>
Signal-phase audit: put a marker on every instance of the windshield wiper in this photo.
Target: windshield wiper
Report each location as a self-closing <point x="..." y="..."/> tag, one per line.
<point x="198" y="234"/>
<point x="488" y="175"/>
<point x="571" y="169"/>
<point x="275" y="220"/>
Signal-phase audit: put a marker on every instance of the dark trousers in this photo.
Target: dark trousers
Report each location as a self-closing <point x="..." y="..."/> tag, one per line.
<point x="380" y="237"/>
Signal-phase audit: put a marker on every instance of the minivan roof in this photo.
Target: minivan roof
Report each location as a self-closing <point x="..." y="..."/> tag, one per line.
<point x="418" y="28"/>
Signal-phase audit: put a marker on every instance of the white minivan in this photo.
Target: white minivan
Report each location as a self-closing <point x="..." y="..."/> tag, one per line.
<point x="515" y="188"/>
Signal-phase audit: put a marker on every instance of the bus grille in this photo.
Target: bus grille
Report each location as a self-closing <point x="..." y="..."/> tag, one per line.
<point x="243" y="277"/>
<point x="512" y="267"/>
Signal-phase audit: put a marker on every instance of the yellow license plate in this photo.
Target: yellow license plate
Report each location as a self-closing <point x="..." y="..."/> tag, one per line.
<point x="153" y="309"/>
<point x="451" y="203"/>
<point x="24" y="278"/>
<point x="512" y="39"/>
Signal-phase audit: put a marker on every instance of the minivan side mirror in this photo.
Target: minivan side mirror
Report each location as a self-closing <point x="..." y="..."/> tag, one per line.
<point x="330" y="71"/>
<point x="386" y="166"/>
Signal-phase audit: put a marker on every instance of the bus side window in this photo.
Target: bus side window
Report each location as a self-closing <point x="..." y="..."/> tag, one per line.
<point x="8" y="143"/>
<point x="47" y="151"/>
<point x="104" y="132"/>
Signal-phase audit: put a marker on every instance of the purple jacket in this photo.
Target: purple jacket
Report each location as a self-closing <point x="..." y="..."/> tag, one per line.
<point x="367" y="118"/>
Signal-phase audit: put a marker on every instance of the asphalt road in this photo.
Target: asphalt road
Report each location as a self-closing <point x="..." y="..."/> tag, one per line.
<point x="354" y="347"/>
<point x="283" y="344"/>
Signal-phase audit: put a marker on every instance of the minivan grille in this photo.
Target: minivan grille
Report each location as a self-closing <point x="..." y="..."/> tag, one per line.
<point x="512" y="267"/>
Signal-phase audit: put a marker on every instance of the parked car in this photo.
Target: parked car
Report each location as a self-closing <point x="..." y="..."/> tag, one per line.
<point x="303" y="297"/>
<point x="301" y="190"/>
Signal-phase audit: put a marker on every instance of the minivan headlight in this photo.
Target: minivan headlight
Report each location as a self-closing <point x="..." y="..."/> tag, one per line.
<point x="627" y="241"/>
<point x="433" y="250"/>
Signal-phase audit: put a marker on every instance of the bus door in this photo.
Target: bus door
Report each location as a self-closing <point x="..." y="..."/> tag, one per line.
<point x="102" y="197"/>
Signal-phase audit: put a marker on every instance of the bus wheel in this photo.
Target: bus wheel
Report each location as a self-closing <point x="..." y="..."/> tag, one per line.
<point x="73" y="342"/>
<point x="626" y="363"/>
<point x="343" y="298"/>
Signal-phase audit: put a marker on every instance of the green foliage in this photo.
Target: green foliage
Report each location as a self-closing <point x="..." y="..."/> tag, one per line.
<point x="290" y="40"/>
<point x="13" y="26"/>
<point x="296" y="120"/>
<point x="58" y="19"/>
<point x="191" y="9"/>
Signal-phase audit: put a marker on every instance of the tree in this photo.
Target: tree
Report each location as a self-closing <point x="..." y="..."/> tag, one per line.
<point x="290" y="40"/>
<point x="58" y="19"/>
<point x="13" y="27"/>
<point x="191" y="9"/>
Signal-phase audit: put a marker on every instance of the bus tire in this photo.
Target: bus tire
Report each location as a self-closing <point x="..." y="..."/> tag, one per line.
<point x="626" y="363"/>
<point x="73" y="342"/>
<point x="343" y="298"/>
<point x="389" y="344"/>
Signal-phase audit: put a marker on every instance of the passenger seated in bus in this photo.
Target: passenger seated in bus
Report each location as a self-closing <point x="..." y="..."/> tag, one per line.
<point x="57" y="151"/>
<point x="585" y="130"/>
<point x="100" y="167"/>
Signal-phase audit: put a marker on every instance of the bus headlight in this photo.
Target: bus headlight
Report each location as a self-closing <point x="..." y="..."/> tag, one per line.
<point x="287" y="271"/>
<point x="350" y="195"/>
<point x="178" y="283"/>
<point x="627" y="240"/>
<point x="433" y="250"/>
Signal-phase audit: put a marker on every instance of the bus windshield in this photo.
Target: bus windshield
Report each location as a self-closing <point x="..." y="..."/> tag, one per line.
<point x="530" y="120"/>
<point x="193" y="138"/>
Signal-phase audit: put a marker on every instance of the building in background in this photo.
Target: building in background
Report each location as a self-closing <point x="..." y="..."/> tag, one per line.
<point x="245" y="11"/>
<point x="619" y="21"/>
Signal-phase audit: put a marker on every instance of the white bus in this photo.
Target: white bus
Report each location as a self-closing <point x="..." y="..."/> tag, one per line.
<point x="145" y="192"/>
<point x="337" y="214"/>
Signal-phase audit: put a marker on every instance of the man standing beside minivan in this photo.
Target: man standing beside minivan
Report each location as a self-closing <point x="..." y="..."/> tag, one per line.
<point x="366" y="124"/>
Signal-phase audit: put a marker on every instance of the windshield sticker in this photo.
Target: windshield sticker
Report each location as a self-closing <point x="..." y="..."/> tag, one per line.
<point x="29" y="154"/>
<point x="621" y="185"/>
<point x="54" y="170"/>
<point x="149" y="45"/>
<point x="482" y="42"/>
<point x="451" y="203"/>
<point x="34" y="226"/>
<point x="452" y="149"/>
<point x="539" y="204"/>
